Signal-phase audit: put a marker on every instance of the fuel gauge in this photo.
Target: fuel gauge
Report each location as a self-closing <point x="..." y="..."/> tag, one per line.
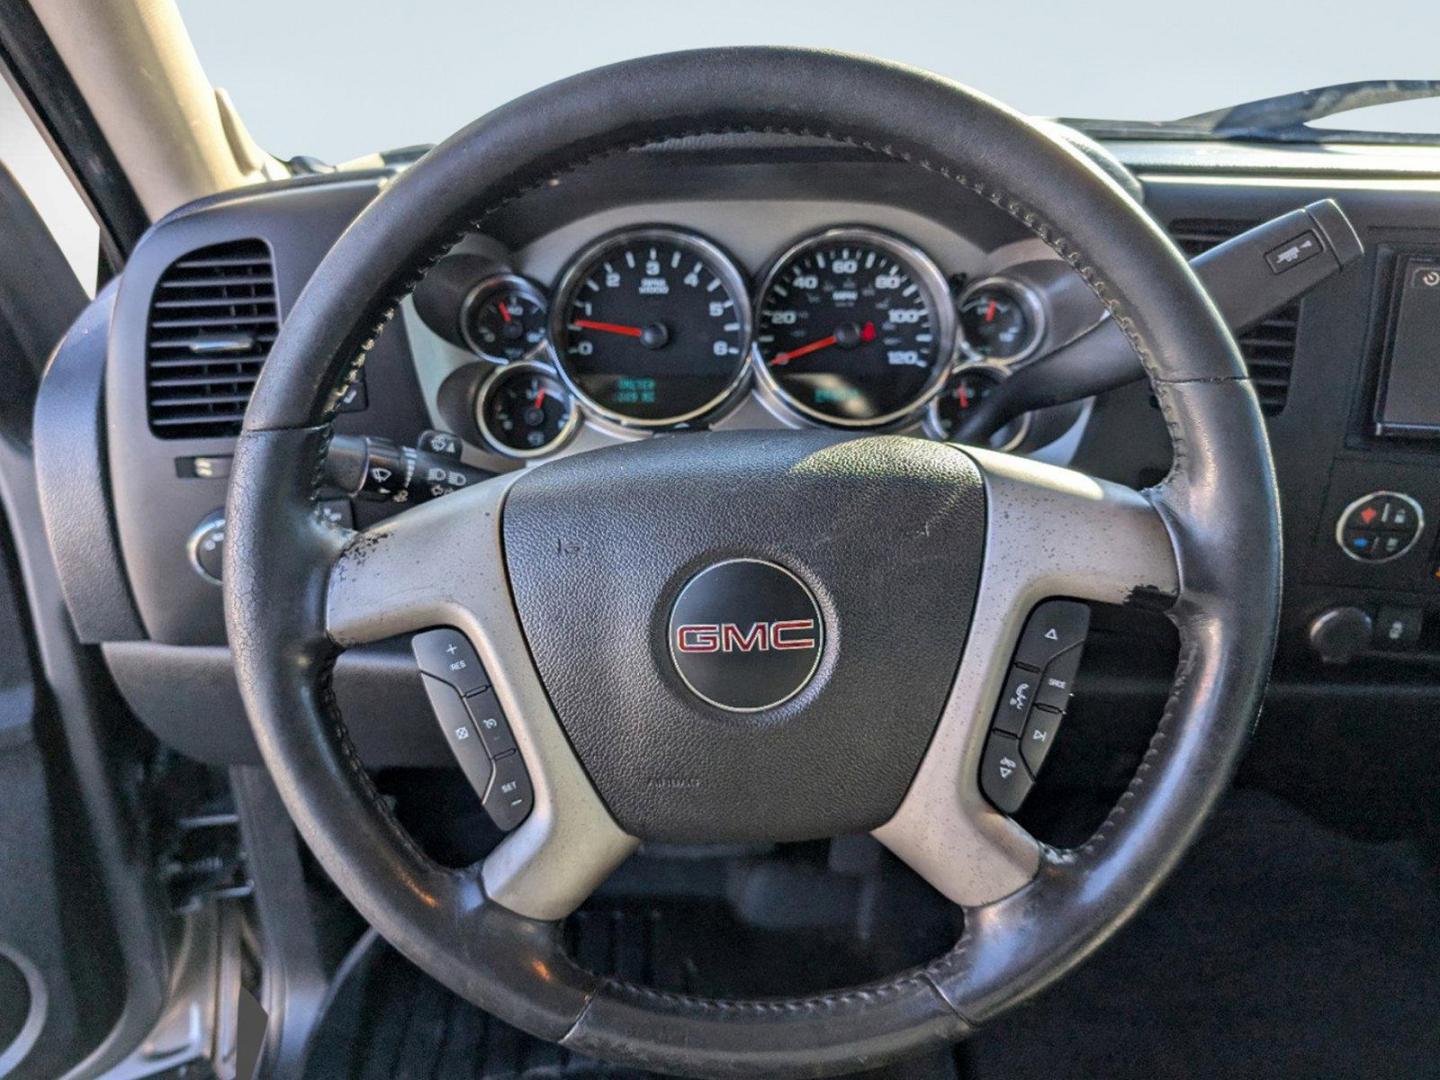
<point x="969" y="386"/>
<point x="523" y="410"/>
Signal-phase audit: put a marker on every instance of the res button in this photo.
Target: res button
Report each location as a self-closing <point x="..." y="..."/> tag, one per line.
<point x="447" y="655"/>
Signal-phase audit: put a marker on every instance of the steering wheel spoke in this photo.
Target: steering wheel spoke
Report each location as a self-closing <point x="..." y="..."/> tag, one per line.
<point x="1051" y="533"/>
<point x="441" y="565"/>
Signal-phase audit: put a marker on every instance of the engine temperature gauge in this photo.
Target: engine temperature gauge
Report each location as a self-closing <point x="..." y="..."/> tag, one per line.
<point x="523" y="410"/>
<point x="503" y="318"/>
<point x="968" y="387"/>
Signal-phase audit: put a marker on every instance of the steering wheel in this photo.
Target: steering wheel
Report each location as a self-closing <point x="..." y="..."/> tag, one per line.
<point x="902" y="571"/>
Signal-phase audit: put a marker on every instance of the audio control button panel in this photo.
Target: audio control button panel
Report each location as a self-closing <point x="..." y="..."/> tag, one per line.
<point x="1034" y="700"/>
<point x="475" y="726"/>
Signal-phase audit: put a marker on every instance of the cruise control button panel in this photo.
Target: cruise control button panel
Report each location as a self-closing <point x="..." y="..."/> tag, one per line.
<point x="474" y="724"/>
<point x="1380" y="526"/>
<point x="1033" y="701"/>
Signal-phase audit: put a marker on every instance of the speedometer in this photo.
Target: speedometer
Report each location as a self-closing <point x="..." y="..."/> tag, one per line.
<point x="853" y="328"/>
<point x="650" y="328"/>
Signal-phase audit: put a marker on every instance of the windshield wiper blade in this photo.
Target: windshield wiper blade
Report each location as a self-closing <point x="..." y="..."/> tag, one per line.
<point x="1290" y="113"/>
<point x="1284" y="118"/>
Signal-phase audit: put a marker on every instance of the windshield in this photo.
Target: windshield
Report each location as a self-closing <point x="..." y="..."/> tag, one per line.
<point x="337" y="79"/>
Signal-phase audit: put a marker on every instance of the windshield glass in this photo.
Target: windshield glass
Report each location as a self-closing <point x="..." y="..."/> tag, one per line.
<point x="336" y="79"/>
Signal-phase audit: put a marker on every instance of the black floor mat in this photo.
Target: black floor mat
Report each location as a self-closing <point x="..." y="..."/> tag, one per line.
<point x="388" y="1021"/>
<point x="1279" y="949"/>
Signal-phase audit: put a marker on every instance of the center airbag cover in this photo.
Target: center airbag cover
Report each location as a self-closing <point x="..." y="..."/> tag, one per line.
<point x="885" y="532"/>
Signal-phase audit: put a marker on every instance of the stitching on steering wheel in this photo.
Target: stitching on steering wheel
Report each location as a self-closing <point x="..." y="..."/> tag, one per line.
<point x="938" y="968"/>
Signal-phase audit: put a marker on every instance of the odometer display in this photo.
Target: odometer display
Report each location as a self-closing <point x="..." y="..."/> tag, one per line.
<point x="853" y="328"/>
<point x="650" y="328"/>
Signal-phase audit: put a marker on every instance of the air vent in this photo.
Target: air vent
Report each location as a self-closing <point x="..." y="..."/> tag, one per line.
<point x="212" y="322"/>
<point x="1268" y="348"/>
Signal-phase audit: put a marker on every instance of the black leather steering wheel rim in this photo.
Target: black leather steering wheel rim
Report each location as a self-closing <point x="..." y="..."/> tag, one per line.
<point x="1226" y="609"/>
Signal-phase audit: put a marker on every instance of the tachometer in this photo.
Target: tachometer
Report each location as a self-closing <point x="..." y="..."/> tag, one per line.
<point x="854" y="327"/>
<point x="650" y="328"/>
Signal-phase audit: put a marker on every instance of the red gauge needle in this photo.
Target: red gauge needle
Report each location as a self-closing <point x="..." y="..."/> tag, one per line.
<point x="504" y="311"/>
<point x="540" y="398"/>
<point x="990" y="312"/>
<point x="607" y="327"/>
<point x="804" y="350"/>
<point x="964" y="396"/>
<point x="867" y="333"/>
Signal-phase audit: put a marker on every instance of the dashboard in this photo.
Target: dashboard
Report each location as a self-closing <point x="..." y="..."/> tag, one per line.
<point x="736" y="282"/>
<point x="658" y="318"/>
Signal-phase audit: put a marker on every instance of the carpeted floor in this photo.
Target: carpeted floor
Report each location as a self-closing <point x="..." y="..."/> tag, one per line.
<point x="1279" y="949"/>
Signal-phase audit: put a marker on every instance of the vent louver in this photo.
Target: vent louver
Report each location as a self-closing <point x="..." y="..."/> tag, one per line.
<point x="1269" y="347"/>
<point x="212" y="321"/>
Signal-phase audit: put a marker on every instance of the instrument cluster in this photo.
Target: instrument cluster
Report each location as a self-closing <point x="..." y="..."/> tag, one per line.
<point x="657" y="328"/>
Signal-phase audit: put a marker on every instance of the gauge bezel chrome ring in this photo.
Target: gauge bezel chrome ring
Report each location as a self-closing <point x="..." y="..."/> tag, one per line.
<point x="731" y="277"/>
<point x="1028" y="299"/>
<point x="481" y="290"/>
<point x="936" y="430"/>
<point x="488" y="387"/>
<point x="926" y="272"/>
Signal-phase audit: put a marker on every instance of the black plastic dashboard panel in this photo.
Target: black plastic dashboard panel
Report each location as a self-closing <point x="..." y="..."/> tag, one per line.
<point x="188" y="696"/>
<point x="1326" y="452"/>
<point x="178" y="681"/>
<point x="156" y="508"/>
<point x="74" y="485"/>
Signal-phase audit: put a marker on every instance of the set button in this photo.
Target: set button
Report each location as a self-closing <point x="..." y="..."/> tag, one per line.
<point x="1379" y="527"/>
<point x="475" y="726"/>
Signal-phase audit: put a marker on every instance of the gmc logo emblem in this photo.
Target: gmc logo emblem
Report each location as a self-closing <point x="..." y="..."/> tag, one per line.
<point x="727" y="637"/>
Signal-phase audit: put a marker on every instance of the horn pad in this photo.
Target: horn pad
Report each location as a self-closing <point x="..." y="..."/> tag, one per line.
<point x="748" y="635"/>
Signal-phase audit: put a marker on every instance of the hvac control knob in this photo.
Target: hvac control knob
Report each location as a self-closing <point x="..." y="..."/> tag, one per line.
<point x="1339" y="634"/>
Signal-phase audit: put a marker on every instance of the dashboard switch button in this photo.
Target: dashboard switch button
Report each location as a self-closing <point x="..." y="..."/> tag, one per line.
<point x="490" y="723"/>
<point x="1380" y="526"/>
<point x="1053" y="627"/>
<point x="1398" y="627"/>
<point x="1015" y="701"/>
<point x="460" y="733"/>
<point x="1039" y="737"/>
<point x="1003" y="777"/>
<point x="1058" y="681"/>
<point x="448" y="655"/>
<point x="510" y="797"/>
